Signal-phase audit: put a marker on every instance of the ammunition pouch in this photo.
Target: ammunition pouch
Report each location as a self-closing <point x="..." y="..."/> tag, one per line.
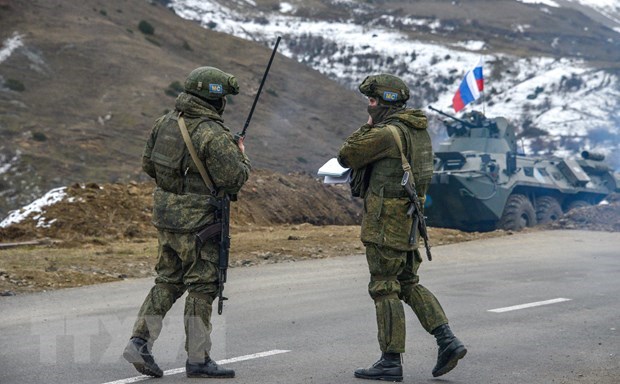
<point x="193" y="183"/>
<point x="385" y="179"/>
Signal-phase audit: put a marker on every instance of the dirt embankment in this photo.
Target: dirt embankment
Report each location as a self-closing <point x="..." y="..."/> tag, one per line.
<point x="597" y="218"/>
<point x="93" y="213"/>
<point x="101" y="233"/>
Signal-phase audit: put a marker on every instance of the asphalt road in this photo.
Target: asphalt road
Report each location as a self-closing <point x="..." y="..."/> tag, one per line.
<point x="315" y="323"/>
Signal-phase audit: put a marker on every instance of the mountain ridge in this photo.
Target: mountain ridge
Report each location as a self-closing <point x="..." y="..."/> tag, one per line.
<point x="550" y="69"/>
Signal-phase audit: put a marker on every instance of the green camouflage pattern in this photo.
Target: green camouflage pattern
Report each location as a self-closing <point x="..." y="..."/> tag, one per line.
<point x="181" y="213"/>
<point x="394" y="277"/>
<point x="186" y="209"/>
<point x="393" y="263"/>
<point x="180" y="268"/>
<point x="211" y="83"/>
<point x="386" y="88"/>
<point x="181" y="207"/>
<point x="385" y="221"/>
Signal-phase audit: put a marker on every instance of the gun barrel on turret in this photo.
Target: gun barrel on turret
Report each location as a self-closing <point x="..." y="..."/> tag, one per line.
<point x="465" y="123"/>
<point x="592" y="156"/>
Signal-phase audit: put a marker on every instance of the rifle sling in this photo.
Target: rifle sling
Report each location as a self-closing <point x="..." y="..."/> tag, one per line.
<point x="407" y="168"/>
<point x="192" y="152"/>
<point x="406" y="165"/>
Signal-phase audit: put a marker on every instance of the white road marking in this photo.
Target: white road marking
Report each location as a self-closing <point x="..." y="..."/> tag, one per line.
<point x="528" y="305"/>
<point x="221" y="362"/>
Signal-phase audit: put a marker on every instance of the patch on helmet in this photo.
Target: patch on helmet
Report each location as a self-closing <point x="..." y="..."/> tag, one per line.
<point x="216" y="88"/>
<point x="390" y="96"/>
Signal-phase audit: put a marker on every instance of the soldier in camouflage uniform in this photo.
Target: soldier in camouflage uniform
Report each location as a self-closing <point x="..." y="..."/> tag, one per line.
<point x="374" y="156"/>
<point x="182" y="206"/>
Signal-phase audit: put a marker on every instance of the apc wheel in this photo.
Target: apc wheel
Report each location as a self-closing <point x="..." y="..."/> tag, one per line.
<point x="577" y="204"/>
<point x="518" y="214"/>
<point x="548" y="209"/>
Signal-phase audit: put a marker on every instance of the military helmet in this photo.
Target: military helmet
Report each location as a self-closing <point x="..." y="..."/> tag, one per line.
<point x="386" y="88"/>
<point x="211" y="83"/>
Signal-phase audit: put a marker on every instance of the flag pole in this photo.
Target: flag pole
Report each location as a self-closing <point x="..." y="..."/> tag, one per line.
<point x="484" y="100"/>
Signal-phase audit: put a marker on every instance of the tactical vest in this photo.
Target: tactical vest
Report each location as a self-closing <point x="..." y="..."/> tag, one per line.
<point x="387" y="173"/>
<point x="175" y="171"/>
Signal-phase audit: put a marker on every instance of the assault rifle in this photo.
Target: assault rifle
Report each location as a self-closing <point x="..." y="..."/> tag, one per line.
<point x="220" y="228"/>
<point x="415" y="210"/>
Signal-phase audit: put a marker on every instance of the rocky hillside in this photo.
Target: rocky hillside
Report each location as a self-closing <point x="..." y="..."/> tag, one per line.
<point x="82" y="82"/>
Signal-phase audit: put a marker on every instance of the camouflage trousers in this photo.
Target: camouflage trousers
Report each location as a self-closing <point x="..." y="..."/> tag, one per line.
<point x="180" y="268"/>
<point x="393" y="279"/>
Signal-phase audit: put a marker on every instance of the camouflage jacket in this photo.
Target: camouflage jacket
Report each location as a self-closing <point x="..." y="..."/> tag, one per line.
<point x="373" y="149"/>
<point x="181" y="199"/>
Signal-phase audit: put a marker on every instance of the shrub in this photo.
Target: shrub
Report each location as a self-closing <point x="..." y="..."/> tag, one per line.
<point x="39" y="136"/>
<point x="15" y="85"/>
<point x="174" y="89"/>
<point x="146" y="27"/>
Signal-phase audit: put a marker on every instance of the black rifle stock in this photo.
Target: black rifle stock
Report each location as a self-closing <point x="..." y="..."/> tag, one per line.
<point x="260" y="88"/>
<point x="220" y="229"/>
<point x="415" y="210"/>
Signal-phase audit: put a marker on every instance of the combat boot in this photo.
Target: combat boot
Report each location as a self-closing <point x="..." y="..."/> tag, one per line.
<point x="388" y="368"/>
<point x="137" y="353"/>
<point x="207" y="369"/>
<point x="451" y="350"/>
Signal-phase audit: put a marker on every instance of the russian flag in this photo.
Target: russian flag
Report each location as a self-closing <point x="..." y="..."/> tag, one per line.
<point x="470" y="88"/>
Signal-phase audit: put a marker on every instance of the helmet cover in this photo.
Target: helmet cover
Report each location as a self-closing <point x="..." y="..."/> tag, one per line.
<point x="211" y="83"/>
<point x="388" y="89"/>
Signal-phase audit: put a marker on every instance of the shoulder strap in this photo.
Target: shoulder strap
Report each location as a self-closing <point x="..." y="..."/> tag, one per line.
<point x="192" y="152"/>
<point x="405" y="162"/>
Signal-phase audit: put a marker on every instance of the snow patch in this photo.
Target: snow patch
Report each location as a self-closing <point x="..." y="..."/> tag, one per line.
<point x="9" y="45"/>
<point x="4" y="168"/>
<point x="471" y="45"/>
<point x="36" y="207"/>
<point x="544" y="2"/>
<point x="286" y="7"/>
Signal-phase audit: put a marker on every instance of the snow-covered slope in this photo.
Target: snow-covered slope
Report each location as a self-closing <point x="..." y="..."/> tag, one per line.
<point x="573" y="102"/>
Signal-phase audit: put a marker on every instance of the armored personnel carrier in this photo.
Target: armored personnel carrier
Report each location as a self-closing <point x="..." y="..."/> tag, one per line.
<point x="481" y="183"/>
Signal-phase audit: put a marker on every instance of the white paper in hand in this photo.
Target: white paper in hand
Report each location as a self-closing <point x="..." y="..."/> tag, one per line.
<point x="334" y="173"/>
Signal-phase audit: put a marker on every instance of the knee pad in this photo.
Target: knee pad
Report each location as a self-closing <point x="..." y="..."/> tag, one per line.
<point x="202" y="296"/>
<point x="393" y="296"/>
<point x="383" y="287"/>
<point x="176" y="290"/>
